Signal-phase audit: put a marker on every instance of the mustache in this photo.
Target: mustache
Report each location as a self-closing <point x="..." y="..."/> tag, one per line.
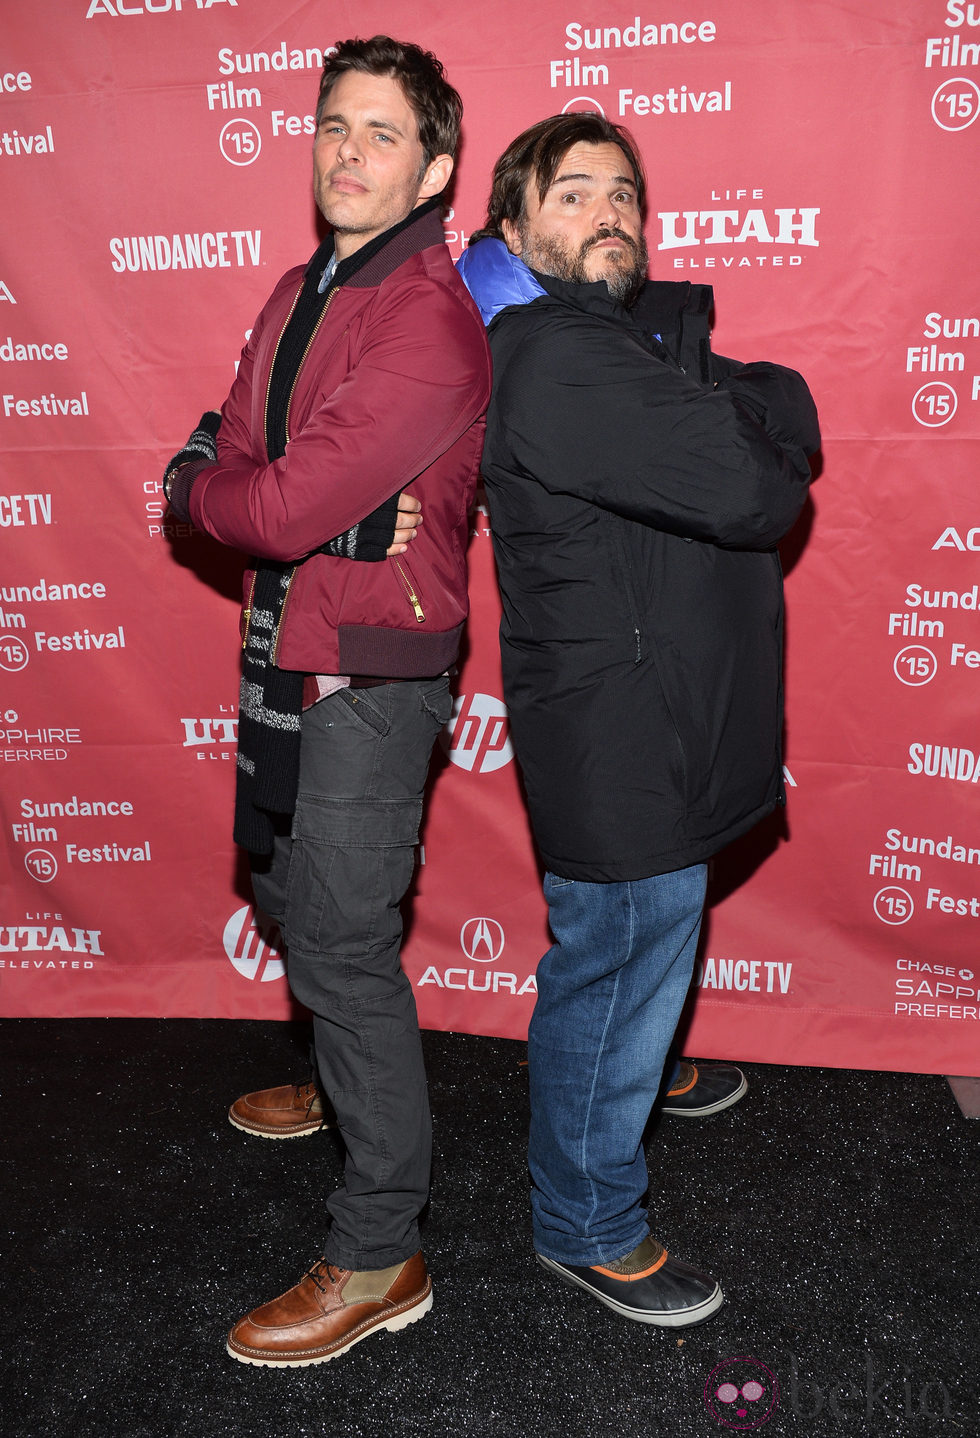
<point x="609" y="233"/>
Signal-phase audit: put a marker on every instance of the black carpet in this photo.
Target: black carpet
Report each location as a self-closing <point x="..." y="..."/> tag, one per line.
<point x="839" y="1209"/>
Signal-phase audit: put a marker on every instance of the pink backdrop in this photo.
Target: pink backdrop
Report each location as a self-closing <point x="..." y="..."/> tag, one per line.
<point x="817" y="162"/>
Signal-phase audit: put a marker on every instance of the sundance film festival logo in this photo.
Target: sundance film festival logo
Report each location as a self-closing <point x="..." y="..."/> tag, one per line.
<point x="482" y="940"/>
<point x="479" y="733"/>
<point x="254" y="945"/>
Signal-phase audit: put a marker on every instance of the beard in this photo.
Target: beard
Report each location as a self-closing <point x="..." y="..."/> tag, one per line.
<point x="623" y="274"/>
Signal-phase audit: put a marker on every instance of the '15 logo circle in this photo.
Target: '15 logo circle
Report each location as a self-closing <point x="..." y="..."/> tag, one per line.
<point x="41" y="864"/>
<point x="956" y="104"/>
<point x="240" y="142"/>
<point x="915" y="665"/>
<point x="934" y="404"/>
<point x="894" y="905"/>
<point x="14" y="654"/>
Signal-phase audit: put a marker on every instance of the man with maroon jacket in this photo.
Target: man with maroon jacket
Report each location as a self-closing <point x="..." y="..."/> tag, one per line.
<point x="366" y="374"/>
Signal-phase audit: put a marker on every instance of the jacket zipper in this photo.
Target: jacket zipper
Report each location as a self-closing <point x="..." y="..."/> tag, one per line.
<point x="282" y="615"/>
<point x="638" y="656"/>
<point x="289" y="405"/>
<point x="631" y="602"/>
<point x="275" y="352"/>
<point x="299" y="367"/>
<point x="247" y="611"/>
<point x="411" y="595"/>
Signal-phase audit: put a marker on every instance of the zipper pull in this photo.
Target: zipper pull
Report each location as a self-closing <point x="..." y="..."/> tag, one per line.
<point x="410" y="594"/>
<point x="247" y="611"/>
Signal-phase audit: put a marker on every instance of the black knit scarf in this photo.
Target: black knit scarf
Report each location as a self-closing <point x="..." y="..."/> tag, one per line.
<point x="271" y="700"/>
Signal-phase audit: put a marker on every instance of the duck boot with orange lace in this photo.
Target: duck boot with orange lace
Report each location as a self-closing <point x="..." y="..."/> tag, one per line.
<point x="330" y="1310"/>
<point x="292" y="1111"/>
<point x="700" y="1090"/>
<point x="647" y="1286"/>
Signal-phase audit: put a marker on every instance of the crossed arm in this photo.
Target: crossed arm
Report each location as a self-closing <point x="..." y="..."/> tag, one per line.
<point x="396" y="521"/>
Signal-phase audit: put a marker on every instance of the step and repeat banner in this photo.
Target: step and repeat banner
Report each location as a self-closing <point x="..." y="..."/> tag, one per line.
<point x="816" y="162"/>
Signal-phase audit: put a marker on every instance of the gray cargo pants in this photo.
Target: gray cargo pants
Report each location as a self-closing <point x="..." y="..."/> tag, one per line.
<point x="334" y="885"/>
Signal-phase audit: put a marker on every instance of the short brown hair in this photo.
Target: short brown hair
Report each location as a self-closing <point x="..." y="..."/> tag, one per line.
<point x="437" y="107"/>
<point x="537" y="153"/>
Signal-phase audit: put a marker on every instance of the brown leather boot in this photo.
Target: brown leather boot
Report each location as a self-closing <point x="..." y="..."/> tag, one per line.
<point x="292" y="1111"/>
<point x="330" y="1310"/>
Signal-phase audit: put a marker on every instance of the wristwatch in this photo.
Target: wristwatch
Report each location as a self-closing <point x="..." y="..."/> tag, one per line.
<point x="168" y="481"/>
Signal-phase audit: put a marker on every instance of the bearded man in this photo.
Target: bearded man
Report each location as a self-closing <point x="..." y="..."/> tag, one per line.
<point x="638" y="487"/>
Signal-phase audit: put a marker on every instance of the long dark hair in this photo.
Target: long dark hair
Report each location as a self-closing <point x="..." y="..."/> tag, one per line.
<point x="537" y="153"/>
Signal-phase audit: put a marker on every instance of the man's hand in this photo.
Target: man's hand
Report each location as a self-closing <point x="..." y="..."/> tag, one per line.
<point x="407" y="520"/>
<point x="781" y="402"/>
<point x="385" y="532"/>
<point x="200" y="445"/>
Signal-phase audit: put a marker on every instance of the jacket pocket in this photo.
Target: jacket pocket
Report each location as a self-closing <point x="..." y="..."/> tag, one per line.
<point x="625" y="565"/>
<point x="409" y="588"/>
<point x="438" y="702"/>
<point x="363" y="710"/>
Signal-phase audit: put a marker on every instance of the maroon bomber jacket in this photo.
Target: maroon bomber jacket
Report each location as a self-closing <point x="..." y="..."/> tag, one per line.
<point x="390" y="395"/>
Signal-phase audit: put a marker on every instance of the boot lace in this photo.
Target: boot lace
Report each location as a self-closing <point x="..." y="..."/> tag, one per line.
<point x="306" y="1091"/>
<point x="323" y="1270"/>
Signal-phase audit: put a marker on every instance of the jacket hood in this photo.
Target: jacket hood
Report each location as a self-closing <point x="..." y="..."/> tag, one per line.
<point x="495" y="278"/>
<point x="498" y="280"/>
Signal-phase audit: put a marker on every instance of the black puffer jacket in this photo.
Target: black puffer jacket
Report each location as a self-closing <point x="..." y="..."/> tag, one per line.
<point x="635" y="506"/>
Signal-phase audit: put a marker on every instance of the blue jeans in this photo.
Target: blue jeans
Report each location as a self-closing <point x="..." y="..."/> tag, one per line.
<point x="610" y="993"/>
<point x="334" y="883"/>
